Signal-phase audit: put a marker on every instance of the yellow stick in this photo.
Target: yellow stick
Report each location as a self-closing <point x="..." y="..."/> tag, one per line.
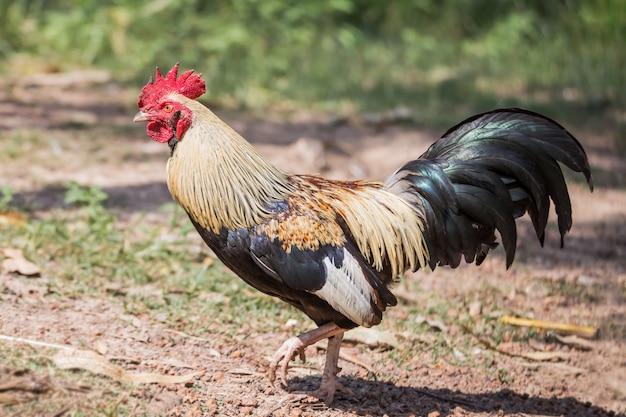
<point x="583" y="331"/>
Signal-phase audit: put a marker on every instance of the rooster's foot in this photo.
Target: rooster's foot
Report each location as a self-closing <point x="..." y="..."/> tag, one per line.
<point x="285" y="354"/>
<point x="296" y="345"/>
<point x="328" y="388"/>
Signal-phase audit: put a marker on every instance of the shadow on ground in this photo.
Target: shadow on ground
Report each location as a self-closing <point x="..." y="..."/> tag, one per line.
<point x="394" y="399"/>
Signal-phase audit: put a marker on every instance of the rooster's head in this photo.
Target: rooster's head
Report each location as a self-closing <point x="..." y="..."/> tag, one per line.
<point x="168" y="118"/>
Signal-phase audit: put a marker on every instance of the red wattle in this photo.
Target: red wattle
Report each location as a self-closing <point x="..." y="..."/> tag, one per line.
<point x="159" y="132"/>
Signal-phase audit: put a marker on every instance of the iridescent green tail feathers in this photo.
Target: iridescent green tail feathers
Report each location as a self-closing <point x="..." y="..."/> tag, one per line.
<point x="483" y="174"/>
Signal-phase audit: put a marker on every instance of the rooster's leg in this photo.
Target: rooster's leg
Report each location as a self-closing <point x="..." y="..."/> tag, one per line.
<point x="296" y="345"/>
<point x="330" y="384"/>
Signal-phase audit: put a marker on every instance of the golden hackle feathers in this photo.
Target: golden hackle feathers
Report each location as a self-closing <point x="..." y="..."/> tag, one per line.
<point x="219" y="178"/>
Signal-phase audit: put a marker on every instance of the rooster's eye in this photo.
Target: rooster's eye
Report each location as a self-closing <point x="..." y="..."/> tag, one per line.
<point x="167" y="108"/>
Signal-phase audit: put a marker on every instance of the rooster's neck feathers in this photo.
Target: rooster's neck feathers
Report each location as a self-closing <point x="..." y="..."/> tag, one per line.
<point x="219" y="178"/>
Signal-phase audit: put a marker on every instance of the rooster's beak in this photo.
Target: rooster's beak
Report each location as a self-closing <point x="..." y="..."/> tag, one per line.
<point x="141" y="117"/>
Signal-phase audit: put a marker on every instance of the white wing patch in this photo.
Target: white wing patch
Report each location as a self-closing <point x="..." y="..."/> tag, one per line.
<point x="348" y="291"/>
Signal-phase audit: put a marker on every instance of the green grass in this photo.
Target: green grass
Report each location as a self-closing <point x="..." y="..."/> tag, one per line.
<point x="442" y="60"/>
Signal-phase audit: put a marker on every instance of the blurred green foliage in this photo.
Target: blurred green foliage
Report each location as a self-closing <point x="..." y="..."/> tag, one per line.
<point x="369" y="53"/>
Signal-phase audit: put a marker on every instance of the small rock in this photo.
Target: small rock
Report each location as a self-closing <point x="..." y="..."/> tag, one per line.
<point x="16" y="262"/>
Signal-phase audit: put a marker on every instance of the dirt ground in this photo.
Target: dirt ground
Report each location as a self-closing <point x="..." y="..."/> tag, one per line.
<point x="90" y="139"/>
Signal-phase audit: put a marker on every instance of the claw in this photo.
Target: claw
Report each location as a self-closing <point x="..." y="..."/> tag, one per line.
<point x="283" y="356"/>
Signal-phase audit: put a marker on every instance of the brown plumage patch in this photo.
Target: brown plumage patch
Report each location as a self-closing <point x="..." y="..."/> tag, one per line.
<point x="310" y="220"/>
<point x="306" y="232"/>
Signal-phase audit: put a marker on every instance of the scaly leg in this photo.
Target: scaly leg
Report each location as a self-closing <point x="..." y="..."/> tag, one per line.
<point x="296" y="345"/>
<point x="330" y="384"/>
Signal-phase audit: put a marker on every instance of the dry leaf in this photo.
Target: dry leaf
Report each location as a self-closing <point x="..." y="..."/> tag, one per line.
<point x="371" y="337"/>
<point x="12" y="218"/>
<point x="98" y="364"/>
<point x="434" y="323"/>
<point x="575" y="341"/>
<point x="16" y="262"/>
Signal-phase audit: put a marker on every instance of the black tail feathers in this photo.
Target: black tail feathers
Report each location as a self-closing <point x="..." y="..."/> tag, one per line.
<point x="483" y="174"/>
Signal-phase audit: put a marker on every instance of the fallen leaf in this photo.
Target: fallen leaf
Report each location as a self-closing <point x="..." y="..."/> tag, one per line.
<point x="544" y="356"/>
<point x="575" y="341"/>
<point x="11" y="218"/>
<point x="435" y="324"/>
<point x="16" y="262"/>
<point x="371" y="337"/>
<point x="94" y="362"/>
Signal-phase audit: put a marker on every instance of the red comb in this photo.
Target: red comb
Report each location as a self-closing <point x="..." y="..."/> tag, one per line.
<point x="191" y="86"/>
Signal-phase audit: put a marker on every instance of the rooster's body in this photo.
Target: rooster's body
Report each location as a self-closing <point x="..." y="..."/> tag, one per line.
<point x="333" y="248"/>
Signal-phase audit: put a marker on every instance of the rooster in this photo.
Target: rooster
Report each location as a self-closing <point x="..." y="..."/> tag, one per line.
<point x="333" y="249"/>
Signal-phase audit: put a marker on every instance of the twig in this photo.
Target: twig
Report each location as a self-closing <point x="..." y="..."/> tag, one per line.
<point x="583" y="331"/>
<point x="35" y="342"/>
